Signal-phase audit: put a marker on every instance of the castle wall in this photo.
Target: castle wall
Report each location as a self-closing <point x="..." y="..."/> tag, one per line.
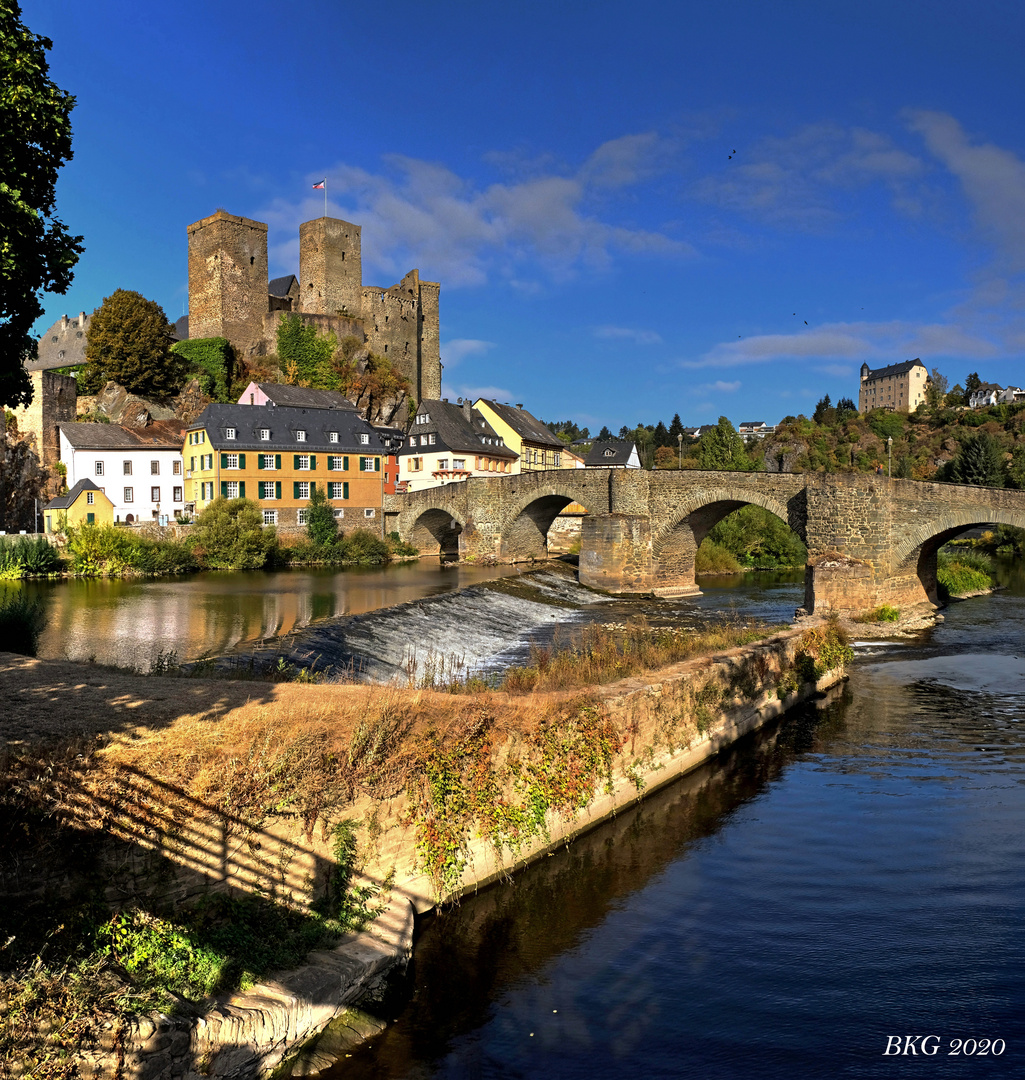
<point x="392" y="320"/>
<point x="228" y="280"/>
<point x="430" y="343"/>
<point x="340" y="327"/>
<point x="54" y="401"/>
<point x="330" y="267"/>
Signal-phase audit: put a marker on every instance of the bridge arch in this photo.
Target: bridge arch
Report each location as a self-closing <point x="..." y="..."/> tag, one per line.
<point x="913" y="568"/>
<point x="436" y="531"/>
<point x="529" y="517"/>
<point x="675" y="544"/>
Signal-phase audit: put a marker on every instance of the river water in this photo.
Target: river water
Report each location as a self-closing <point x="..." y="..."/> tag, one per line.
<point x="828" y="887"/>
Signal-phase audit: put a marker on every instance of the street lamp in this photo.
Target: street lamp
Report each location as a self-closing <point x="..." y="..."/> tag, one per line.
<point x="679" y="439"/>
<point x="889" y="452"/>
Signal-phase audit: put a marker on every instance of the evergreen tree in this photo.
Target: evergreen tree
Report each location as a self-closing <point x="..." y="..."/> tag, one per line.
<point x="845" y="407"/>
<point x="661" y="435"/>
<point x="604" y="433"/>
<point x="37" y="253"/>
<point x="822" y="410"/>
<point x="973" y="382"/>
<point x="675" y="430"/>
<point x="130" y="342"/>
<point x="722" y="448"/>
<point x="979" y="460"/>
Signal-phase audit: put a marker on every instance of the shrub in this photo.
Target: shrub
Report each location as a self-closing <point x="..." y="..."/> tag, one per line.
<point x="21" y="622"/>
<point x="229" y="535"/>
<point x="714" y="559"/>
<point x="962" y="573"/>
<point x="321" y="527"/>
<point x="213" y="361"/>
<point x="23" y="556"/>
<point x="112" y="551"/>
<point x="362" y="546"/>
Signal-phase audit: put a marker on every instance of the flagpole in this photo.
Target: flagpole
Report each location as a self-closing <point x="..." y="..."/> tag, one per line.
<point x="325" y="197"/>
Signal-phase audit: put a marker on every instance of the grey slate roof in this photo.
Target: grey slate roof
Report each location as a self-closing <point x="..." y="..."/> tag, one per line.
<point x="894" y="369"/>
<point x="63" y="345"/>
<point x="621" y="451"/>
<point x="299" y="397"/>
<point x="181" y="328"/>
<point x="247" y="420"/>
<point x="528" y="427"/>
<point x="162" y="434"/>
<point x="65" y="502"/>
<point x="280" y="286"/>
<point x="458" y="428"/>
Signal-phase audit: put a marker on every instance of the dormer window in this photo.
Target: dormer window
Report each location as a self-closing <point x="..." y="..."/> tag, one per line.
<point x="412" y="440"/>
<point x="229" y="433"/>
<point x="364" y="438"/>
<point x="332" y="436"/>
<point x="265" y="434"/>
<point x="610" y="453"/>
<point x="300" y="435"/>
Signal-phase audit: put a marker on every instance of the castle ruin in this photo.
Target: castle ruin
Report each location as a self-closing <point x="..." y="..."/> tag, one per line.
<point x="230" y="295"/>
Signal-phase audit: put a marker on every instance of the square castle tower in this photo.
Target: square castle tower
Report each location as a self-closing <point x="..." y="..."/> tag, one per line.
<point x="229" y="295"/>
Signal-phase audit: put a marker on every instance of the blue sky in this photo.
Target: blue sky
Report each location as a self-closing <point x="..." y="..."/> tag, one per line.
<point x="634" y="209"/>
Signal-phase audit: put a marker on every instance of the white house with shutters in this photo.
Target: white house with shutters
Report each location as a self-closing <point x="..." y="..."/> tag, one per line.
<point x="139" y="469"/>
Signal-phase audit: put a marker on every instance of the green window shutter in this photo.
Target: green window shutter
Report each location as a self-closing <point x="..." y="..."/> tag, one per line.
<point x="313" y="486"/>
<point x="295" y="489"/>
<point x="377" y="464"/>
<point x="313" y="461"/>
<point x="242" y="489"/>
<point x="330" y="463"/>
<point x="260" y="489"/>
<point x="224" y="461"/>
<point x="242" y="461"/>
<point x="277" y="489"/>
<point x="345" y="489"/>
<point x="90" y="519"/>
<point x="224" y="489"/>
<point x="295" y="461"/>
<point x="277" y="461"/>
<point x="192" y="464"/>
<point x="362" y="464"/>
<point x="259" y="461"/>
<point x="345" y="464"/>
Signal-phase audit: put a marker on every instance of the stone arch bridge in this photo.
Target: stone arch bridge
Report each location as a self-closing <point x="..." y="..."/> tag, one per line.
<point x="871" y="540"/>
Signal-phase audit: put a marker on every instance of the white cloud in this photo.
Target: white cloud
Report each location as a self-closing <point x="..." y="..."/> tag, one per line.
<point x="639" y="337"/>
<point x="420" y="213"/>
<point x="720" y="386"/>
<point x="454" y="352"/>
<point x="495" y="393"/>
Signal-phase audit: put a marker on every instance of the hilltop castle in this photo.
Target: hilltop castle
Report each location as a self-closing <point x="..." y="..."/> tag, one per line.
<point x="230" y="295"/>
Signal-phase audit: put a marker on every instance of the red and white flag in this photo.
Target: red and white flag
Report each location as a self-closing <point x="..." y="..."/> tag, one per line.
<point x="320" y="185"/>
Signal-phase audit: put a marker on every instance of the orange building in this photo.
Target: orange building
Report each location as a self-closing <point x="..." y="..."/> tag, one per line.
<point x="279" y="456"/>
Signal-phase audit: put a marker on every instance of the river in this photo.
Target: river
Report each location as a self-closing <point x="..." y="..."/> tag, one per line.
<point x="798" y="907"/>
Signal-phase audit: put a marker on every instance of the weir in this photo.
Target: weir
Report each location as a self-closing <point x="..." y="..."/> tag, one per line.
<point x="871" y="540"/>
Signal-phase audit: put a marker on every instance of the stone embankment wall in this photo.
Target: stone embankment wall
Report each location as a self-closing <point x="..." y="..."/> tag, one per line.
<point x="665" y="727"/>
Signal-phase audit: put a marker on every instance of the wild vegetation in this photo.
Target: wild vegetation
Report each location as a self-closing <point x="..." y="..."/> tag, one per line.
<point x="961" y="571"/>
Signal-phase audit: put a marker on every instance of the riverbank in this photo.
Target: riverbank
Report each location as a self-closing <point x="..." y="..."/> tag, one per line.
<point x="277" y="767"/>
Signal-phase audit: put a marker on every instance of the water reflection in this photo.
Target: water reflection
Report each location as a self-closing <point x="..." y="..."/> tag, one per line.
<point x="130" y="622"/>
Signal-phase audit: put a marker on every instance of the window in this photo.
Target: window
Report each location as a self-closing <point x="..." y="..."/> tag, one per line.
<point x="431" y="439"/>
<point x="338" y="490"/>
<point x="154" y="494"/>
<point x="230" y="489"/>
<point x="369" y="464"/>
<point x="209" y="458"/>
<point x="364" y="438"/>
<point x="338" y="464"/>
<point x="443" y="463"/>
<point x="339" y="513"/>
<point x="208" y="490"/>
<point x="129" y="495"/>
<point x="178" y="494"/>
<point x="90" y="497"/>
<point x="300" y="436"/>
<point x="126" y="468"/>
<point x="154" y="468"/>
<point x="99" y="468"/>
<point x="302" y="461"/>
<point x="176" y="468"/>
<point x="267" y="461"/>
<point x="416" y="464"/>
<point x="270" y="517"/>
<point x="269" y="489"/>
<point x="332" y="436"/>
<point x="301" y="516"/>
<point x="459" y="463"/>
<point x="368" y="513"/>
<point x="229" y="433"/>
<point x="230" y="461"/>
<point x="264" y="433"/>
<point x="302" y="489"/>
<point x="412" y="440"/>
<point x="556" y="459"/>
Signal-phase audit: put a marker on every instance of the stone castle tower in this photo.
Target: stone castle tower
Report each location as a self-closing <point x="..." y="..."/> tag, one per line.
<point x="229" y="295"/>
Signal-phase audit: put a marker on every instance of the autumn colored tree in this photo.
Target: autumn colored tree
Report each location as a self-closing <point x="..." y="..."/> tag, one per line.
<point x="129" y="341"/>
<point x="36" y="253"/>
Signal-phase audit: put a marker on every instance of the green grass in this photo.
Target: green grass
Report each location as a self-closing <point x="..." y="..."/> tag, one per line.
<point x="962" y="572"/>
<point x="883" y="613"/>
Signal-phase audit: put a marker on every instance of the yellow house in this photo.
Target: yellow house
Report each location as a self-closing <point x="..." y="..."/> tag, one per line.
<point x="84" y="504"/>
<point x="539" y="450"/>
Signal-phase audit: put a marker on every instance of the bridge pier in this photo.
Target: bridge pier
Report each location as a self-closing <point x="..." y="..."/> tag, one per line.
<point x="615" y="553"/>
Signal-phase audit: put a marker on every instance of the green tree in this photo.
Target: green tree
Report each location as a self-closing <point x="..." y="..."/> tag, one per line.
<point x="979" y="460"/>
<point x="1016" y="466"/>
<point x="229" y="534"/>
<point x="604" y="433"/>
<point x="722" y="448"/>
<point x="956" y="395"/>
<point x="936" y="390"/>
<point x="36" y="251"/>
<point x="321" y="526"/>
<point x="129" y="341"/>
<point x="845" y="407"/>
<point x="973" y="382"/>
<point x="823" y="408"/>
<point x="675" y="430"/>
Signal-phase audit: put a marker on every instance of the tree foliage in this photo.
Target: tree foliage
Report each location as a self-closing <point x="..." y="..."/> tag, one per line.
<point x="213" y="361"/>
<point x="722" y="448"/>
<point x="129" y="341"/>
<point x="756" y="537"/>
<point x="37" y="253"/>
<point x="936" y="391"/>
<point x="321" y="527"/>
<point x="229" y="534"/>
<point x="979" y="460"/>
<point x="306" y="354"/>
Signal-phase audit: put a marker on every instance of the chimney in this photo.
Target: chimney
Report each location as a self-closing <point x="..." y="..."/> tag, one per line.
<point x="467" y="409"/>
<point x="64" y="322"/>
<point x="519" y="404"/>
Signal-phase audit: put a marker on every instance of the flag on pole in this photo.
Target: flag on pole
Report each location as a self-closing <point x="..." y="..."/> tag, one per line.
<point x="320" y="185"/>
